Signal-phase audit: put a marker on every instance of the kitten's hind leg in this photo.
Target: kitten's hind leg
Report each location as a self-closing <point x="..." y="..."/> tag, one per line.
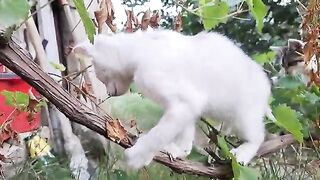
<point x="251" y="130"/>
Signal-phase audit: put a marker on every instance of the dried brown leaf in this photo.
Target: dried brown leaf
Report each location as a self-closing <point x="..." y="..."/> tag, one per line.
<point x="33" y="102"/>
<point x="135" y="20"/>
<point x="313" y="167"/>
<point x="178" y="23"/>
<point x="116" y="131"/>
<point x="85" y="91"/>
<point x="145" y="20"/>
<point x="133" y="123"/>
<point x="155" y="19"/>
<point x="105" y="15"/>
<point x="128" y="26"/>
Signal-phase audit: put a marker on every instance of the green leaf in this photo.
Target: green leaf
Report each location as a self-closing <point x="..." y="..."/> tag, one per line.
<point x="246" y="173"/>
<point x="120" y="175"/>
<point x="132" y="106"/>
<point x="264" y="57"/>
<point x="87" y="22"/>
<point x="59" y="67"/>
<point x="9" y="97"/>
<point x="224" y="147"/>
<point x="16" y="99"/>
<point x="311" y="97"/>
<point x="22" y="99"/>
<point x="259" y="11"/>
<point x="13" y="12"/>
<point x="290" y="82"/>
<point x="240" y="172"/>
<point x="287" y="118"/>
<point x="213" y="12"/>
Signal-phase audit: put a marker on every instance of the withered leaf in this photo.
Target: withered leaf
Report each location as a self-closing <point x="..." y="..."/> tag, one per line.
<point x="6" y="130"/>
<point x="314" y="166"/>
<point x="133" y="123"/>
<point x="105" y="15"/>
<point x="128" y="26"/>
<point x="116" y="131"/>
<point x="178" y="23"/>
<point x="155" y="19"/>
<point x="85" y="91"/>
<point x="33" y="102"/>
<point x="135" y="20"/>
<point x="145" y="20"/>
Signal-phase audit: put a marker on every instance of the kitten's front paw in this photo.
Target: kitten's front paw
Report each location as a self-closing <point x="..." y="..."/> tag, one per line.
<point x="175" y="151"/>
<point x="244" y="153"/>
<point x="240" y="157"/>
<point x="137" y="158"/>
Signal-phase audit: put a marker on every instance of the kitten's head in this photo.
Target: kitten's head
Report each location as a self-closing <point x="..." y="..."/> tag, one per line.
<point x="109" y="67"/>
<point x="292" y="59"/>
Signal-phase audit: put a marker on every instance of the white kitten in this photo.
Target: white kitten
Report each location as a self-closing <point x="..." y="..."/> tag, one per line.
<point x="190" y="76"/>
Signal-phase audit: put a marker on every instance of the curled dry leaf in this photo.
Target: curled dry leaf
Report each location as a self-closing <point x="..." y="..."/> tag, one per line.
<point x="155" y="19"/>
<point x="145" y="20"/>
<point x="133" y="123"/>
<point x="128" y="26"/>
<point x="7" y="131"/>
<point x="178" y="23"/>
<point x="116" y="131"/>
<point x="31" y="108"/>
<point x="313" y="167"/>
<point x="105" y="15"/>
<point x="33" y="102"/>
<point x="311" y="33"/>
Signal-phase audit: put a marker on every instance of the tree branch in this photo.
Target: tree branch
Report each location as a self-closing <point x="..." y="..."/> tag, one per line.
<point x="20" y="62"/>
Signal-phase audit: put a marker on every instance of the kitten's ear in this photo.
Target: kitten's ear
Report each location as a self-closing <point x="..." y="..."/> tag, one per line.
<point x="279" y="50"/>
<point x="295" y="45"/>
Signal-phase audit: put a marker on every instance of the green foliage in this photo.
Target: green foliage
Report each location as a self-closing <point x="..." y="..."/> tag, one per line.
<point x="263" y="58"/>
<point x="259" y="11"/>
<point x="132" y="106"/>
<point x="13" y="12"/>
<point x="213" y="12"/>
<point x="87" y="22"/>
<point x="44" y="168"/>
<point x="290" y="83"/>
<point x="240" y="172"/>
<point x="287" y="118"/>
<point x="59" y="67"/>
<point x="293" y="100"/>
<point x="16" y="99"/>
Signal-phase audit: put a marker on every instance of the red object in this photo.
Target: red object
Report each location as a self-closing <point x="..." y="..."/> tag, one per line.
<point x="11" y="82"/>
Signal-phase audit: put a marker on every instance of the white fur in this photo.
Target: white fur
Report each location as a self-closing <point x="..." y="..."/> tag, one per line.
<point x="190" y="76"/>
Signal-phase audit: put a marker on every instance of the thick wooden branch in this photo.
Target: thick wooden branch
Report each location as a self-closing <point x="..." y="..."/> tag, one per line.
<point x="19" y="61"/>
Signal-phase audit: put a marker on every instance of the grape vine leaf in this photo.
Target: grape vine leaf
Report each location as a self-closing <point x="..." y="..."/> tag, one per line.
<point x="213" y="12"/>
<point x="13" y="12"/>
<point x="87" y="22"/>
